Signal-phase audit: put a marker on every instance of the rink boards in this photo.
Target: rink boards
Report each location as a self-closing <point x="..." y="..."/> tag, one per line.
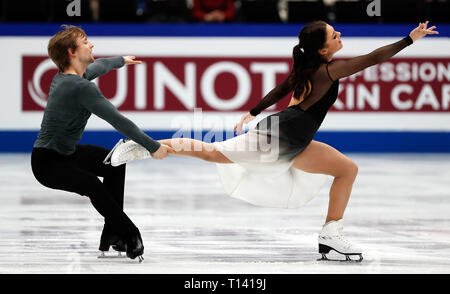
<point x="203" y="83"/>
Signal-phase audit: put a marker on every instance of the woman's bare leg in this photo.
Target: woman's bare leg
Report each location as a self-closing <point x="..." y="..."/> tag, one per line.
<point x="321" y="158"/>
<point x="195" y="148"/>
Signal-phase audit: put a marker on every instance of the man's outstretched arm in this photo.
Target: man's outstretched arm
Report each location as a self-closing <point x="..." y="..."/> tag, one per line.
<point x="92" y="99"/>
<point x="103" y="65"/>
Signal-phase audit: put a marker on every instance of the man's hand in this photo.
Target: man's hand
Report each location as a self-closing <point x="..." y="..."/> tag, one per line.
<point x="422" y="31"/>
<point x="130" y="60"/>
<point x="162" y="152"/>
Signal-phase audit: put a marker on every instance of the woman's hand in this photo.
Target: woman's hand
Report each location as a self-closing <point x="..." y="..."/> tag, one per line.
<point x="130" y="60"/>
<point x="245" y="119"/>
<point x="421" y="31"/>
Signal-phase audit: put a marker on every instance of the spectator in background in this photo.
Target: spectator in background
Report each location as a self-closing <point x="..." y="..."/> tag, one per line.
<point x="213" y="10"/>
<point x="95" y="9"/>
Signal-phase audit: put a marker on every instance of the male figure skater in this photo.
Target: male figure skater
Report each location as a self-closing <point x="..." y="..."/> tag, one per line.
<point x="58" y="162"/>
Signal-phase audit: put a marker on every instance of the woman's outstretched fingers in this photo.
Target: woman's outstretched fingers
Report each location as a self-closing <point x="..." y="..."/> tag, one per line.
<point x="238" y="127"/>
<point x="421" y="31"/>
<point x="430" y="30"/>
<point x="245" y="119"/>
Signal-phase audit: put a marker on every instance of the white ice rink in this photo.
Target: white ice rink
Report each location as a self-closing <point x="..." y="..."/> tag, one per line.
<point x="399" y="212"/>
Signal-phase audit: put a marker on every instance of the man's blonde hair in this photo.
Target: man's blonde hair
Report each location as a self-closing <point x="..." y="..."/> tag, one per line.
<point x="61" y="42"/>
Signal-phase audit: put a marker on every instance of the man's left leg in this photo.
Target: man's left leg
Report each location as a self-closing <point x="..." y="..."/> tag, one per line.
<point x="90" y="158"/>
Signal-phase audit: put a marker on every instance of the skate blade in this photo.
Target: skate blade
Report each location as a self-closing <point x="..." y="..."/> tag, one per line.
<point x="141" y="259"/>
<point x="347" y="259"/>
<point x="118" y="256"/>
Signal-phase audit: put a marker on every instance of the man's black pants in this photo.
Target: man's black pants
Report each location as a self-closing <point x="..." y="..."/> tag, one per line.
<point x="79" y="173"/>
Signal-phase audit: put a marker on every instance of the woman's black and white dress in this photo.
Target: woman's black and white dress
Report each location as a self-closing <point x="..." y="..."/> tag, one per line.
<point x="262" y="172"/>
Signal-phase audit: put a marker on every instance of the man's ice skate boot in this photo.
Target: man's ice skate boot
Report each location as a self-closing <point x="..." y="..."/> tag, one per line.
<point x="110" y="239"/>
<point x="127" y="151"/>
<point x="135" y="247"/>
<point x="332" y="238"/>
<point x="107" y="159"/>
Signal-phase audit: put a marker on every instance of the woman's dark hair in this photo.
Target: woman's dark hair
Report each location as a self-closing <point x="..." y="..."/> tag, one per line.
<point x="306" y="57"/>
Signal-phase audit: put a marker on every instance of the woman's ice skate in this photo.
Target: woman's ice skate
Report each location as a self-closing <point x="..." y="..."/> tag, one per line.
<point x="126" y="151"/>
<point x="332" y="238"/>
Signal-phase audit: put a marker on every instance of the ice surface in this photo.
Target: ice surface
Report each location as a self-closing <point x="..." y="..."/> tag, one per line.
<point x="398" y="212"/>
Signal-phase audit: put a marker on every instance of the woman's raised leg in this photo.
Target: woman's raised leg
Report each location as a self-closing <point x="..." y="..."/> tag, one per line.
<point x="197" y="149"/>
<point x="321" y="158"/>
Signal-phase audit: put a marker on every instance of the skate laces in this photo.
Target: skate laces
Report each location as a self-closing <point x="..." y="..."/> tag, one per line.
<point x="342" y="237"/>
<point x="127" y="150"/>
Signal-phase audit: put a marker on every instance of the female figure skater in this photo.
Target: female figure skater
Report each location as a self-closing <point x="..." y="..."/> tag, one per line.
<point x="294" y="175"/>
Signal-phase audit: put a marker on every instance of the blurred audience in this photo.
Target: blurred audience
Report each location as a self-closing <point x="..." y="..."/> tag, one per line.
<point x="258" y="11"/>
<point x="164" y="10"/>
<point x="271" y="11"/>
<point x="214" y="10"/>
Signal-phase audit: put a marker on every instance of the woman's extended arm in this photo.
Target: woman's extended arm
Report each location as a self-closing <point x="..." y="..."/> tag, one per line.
<point x="277" y="93"/>
<point x="343" y="68"/>
<point x="273" y="97"/>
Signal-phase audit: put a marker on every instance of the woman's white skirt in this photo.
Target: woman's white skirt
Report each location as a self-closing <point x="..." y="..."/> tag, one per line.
<point x="262" y="179"/>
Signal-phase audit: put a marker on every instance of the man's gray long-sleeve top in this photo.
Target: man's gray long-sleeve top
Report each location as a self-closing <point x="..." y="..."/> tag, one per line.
<point x="71" y="102"/>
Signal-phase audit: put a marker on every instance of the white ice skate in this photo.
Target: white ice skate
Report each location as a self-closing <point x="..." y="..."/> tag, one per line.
<point x="107" y="159"/>
<point x="126" y="151"/>
<point x="332" y="238"/>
